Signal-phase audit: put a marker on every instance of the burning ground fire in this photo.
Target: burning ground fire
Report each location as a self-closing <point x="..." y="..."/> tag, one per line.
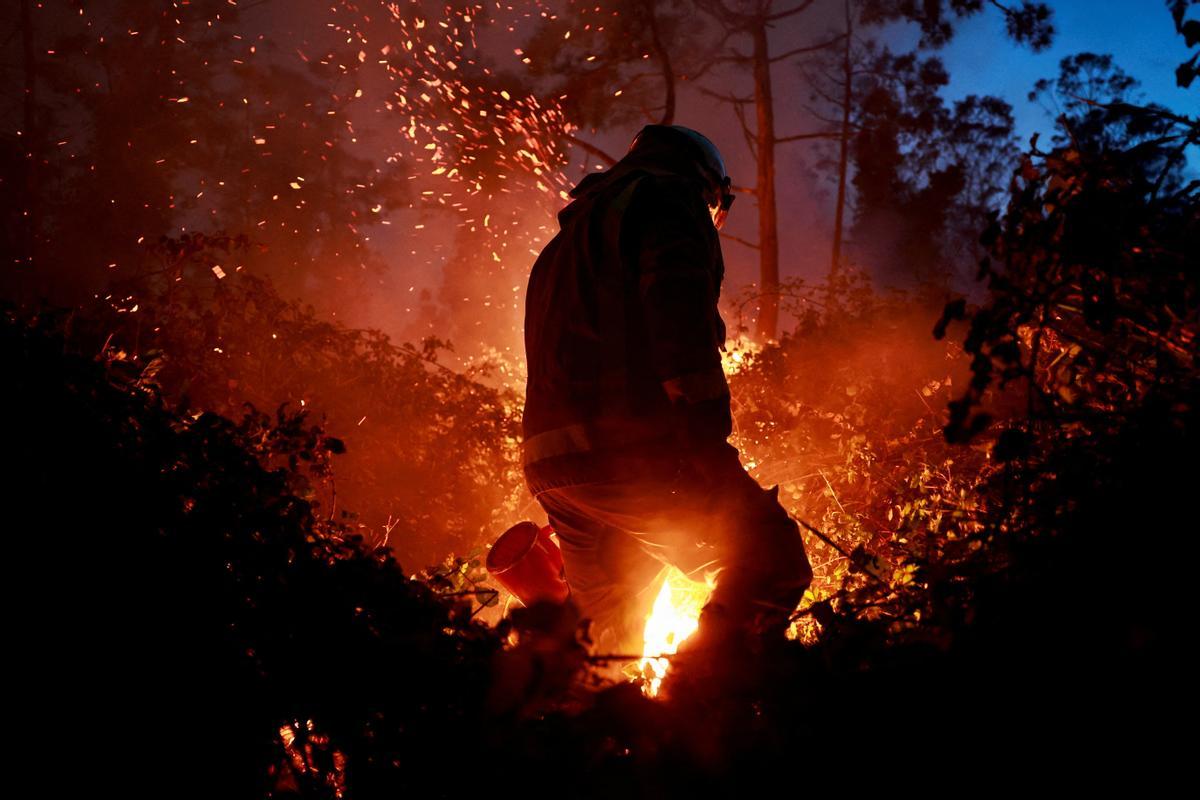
<point x="679" y="600"/>
<point x="675" y="616"/>
<point x="676" y="612"/>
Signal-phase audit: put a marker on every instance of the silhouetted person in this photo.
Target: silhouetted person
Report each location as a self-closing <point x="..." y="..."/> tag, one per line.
<point x="628" y="412"/>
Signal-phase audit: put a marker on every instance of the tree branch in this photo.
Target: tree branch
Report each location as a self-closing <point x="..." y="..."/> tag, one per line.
<point x="699" y="73"/>
<point x="1130" y="108"/>
<point x="664" y="62"/>
<point x="808" y="49"/>
<point x="829" y="121"/>
<point x="740" y="240"/>
<point x="751" y="139"/>
<point x="817" y="90"/>
<point x="725" y="98"/>
<point x="720" y="11"/>
<point x="737" y="57"/>
<point x="794" y="10"/>
<point x="800" y="136"/>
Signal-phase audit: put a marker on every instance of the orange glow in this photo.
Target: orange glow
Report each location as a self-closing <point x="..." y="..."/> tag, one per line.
<point x="739" y="353"/>
<point x="305" y="756"/>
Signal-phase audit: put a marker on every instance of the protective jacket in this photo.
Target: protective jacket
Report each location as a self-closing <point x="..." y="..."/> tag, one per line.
<point x="622" y="331"/>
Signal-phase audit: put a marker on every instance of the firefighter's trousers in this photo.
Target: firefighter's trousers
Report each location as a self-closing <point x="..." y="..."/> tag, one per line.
<point x="696" y="514"/>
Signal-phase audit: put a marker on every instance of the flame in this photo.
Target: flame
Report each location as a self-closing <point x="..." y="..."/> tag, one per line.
<point x="739" y="353"/>
<point x="675" y="615"/>
<point x="303" y="745"/>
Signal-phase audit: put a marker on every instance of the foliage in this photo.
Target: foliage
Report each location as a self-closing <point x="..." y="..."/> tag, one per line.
<point x="1189" y="29"/>
<point x="1092" y="316"/>
<point x="192" y="609"/>
<point x="1093" y="286"/>
<point x="228" y="633"/>
<point x="428" y="449"/>
<point x="1030" y="23"/>
<point x="846" y="416"/>
<point x="1094" y="101"/>
<point x="925" y="173"/>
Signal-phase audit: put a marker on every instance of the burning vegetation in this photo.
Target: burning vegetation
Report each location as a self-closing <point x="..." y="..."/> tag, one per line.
<point x="257" y="525"/>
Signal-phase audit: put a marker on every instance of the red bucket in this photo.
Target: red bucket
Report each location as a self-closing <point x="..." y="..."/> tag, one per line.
<point x="527" y="562"/>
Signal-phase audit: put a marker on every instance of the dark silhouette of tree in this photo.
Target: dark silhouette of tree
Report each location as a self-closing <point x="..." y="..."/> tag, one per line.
<point x="846" y="100"/>
<point x="619" y="61"/>
<point x="26" y="253"/>
<point x="1093" y="101"/>
<point x="920" y="169"/>
<point x="1093" y="302"/>
<point x="1189" y="29"/>
<point x="204" y="624"/>
<point x="748" y="25"/>
<point x="924" y="173"/>
<point x="1030" y="23"/>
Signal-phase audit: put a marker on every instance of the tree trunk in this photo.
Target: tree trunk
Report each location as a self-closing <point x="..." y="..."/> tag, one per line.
<point x="664" y="64"/>
<point x="29" y="230"/>
<point x="768" y="228"/>
<point x="844" y="155"/>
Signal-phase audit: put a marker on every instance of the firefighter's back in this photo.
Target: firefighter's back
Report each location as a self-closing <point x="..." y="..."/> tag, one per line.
<point x="583" y="326"/>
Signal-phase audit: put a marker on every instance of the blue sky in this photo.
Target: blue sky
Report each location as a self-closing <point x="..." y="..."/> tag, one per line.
<point x="1138" y="33"/>
<point x="980" y="59"/>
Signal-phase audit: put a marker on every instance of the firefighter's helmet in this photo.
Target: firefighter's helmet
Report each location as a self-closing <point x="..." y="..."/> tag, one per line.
<point x="707" y="157"/>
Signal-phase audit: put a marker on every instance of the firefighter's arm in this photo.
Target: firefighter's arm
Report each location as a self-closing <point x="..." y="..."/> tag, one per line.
<point x="678" y="288"/>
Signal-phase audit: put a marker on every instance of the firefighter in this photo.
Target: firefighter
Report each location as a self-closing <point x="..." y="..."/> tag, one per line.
<point x="627" y="409"/>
